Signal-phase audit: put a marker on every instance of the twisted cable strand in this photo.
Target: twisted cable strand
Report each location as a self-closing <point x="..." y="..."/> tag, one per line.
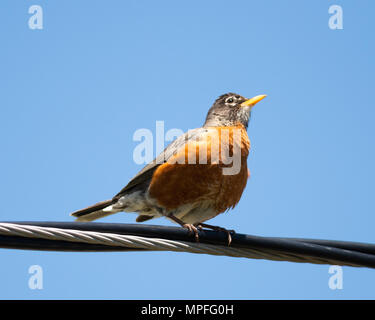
<point x="154" y="244"/>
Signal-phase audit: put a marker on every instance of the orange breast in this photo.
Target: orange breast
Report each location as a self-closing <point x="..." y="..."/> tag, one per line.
<point x="213" y="167"/>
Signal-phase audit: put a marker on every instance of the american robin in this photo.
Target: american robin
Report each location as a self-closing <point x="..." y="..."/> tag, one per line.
<point x="198" y="176"/>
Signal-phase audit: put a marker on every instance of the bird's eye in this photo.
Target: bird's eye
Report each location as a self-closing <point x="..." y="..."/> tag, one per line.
<point x="230" y="100"/>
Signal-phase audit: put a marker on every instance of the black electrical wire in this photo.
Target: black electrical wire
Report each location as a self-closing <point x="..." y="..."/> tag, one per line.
<point x="339" y="252"/>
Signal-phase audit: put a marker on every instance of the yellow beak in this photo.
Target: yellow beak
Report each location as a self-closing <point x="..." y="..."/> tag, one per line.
<point x="253" y="101"/>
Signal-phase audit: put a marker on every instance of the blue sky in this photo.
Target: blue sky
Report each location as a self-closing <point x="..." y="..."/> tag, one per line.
<point x="74" y="93"/>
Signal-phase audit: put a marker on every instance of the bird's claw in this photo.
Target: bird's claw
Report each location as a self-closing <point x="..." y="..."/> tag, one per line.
<point x="192" y="229"/>
<point x="216" y="228"/>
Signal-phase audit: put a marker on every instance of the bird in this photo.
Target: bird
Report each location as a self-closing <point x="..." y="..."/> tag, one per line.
<point x="199" y="175"/>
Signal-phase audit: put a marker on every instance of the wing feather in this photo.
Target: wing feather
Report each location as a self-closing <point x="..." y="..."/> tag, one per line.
<point x="143" y="177"/>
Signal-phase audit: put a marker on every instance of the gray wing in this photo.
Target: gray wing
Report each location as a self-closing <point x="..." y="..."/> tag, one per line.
<point x="142" y="180"/>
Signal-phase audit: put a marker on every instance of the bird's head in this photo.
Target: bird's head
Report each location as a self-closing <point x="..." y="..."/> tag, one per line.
<point x="231" y="109"/>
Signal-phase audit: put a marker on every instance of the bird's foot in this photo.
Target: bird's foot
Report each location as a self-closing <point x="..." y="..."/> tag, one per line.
<point x="229" y="233"/>
<point x="192" y="229"/>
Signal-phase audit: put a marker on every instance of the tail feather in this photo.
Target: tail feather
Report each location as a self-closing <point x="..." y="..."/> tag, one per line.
<point x="95" y="211"/>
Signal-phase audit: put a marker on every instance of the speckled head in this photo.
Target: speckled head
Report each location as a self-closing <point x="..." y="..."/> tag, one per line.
<point x="231" y="109"/>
